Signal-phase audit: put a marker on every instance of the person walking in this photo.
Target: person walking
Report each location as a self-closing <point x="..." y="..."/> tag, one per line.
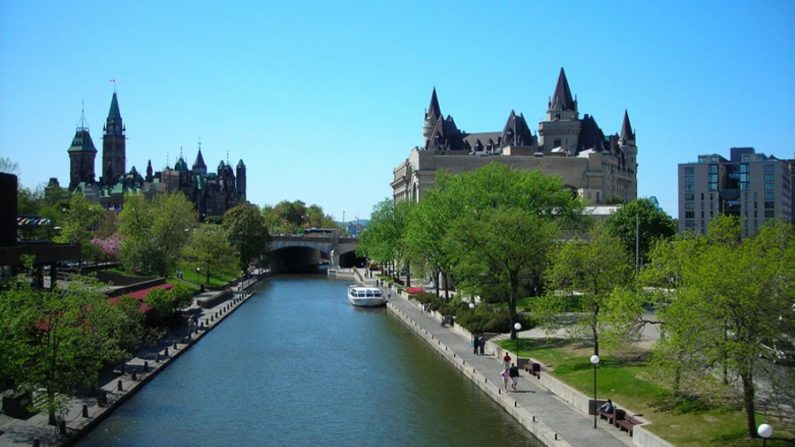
<point x="513" y="373"/>
<point x="475" y="343"/>
<point x="506" y="361"/>
<point x="506" y="375"/>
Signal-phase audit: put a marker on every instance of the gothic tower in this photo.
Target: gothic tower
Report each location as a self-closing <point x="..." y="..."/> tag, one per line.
<point x="81" y="157"/>
<point x="627" y="143"/>
<point x="241" y="181"/>
<point x="562" y="126"/>
<point x="199" y="168"/>
<point x="113" y="146"/>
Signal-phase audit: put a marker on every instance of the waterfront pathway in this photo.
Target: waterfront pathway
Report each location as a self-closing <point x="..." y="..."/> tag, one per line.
<point x="547" y="416"/>
<point x="84" y="413"/>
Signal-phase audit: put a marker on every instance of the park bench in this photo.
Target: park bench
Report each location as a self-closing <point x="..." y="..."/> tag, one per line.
<point x="628" y="423"/>
<point x="612" y="418"/>
<point x="533" y="368"/>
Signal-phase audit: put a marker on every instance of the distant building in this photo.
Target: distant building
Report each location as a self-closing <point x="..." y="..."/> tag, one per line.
<point x="751" y="186"/>
<point x="213" y="193"/>
<point x="602" y="169"/>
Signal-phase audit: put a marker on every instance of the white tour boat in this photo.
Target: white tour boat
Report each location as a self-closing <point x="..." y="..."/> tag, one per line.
<point x="366" y="296"/>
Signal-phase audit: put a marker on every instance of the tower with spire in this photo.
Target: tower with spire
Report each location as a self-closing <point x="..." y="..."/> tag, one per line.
<point x="241" y="181"/>
<point x="114" y="150"/>
<point x="81" y="156"/>
<point x="561" y="128"/>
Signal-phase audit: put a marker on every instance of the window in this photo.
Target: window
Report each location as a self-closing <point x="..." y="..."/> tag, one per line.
<point x="769" y="213"/>
<point x="689" y="196"/>
<point x="690" y="224"/>
<point x="769" y="187"/>
<point x="688" y="179"/>
<point x="713" y="169"/>
<point x="689" y="205"/>
<point x="769" y="169"/>
<point x="688" y="170"/>
<point x="768" y="178"/>
<point x="770" y="205"/>
<point x="689" y="215"/>
<point x="688" y="188"/>
<point x="770" y="195"/>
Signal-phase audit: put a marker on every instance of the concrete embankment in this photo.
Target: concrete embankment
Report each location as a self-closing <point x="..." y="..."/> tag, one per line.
<point x="84" y="414"/>
<point x="555" y="413"/>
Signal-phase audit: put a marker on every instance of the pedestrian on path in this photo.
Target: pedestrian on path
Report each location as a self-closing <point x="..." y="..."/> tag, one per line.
<point x="513" y="373"/>
<point x="475" y="343"/>
<point x="506" y="361"/>
<point x="505" y="374"/>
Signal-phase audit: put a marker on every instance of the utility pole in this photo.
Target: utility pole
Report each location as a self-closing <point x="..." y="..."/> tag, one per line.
<point x="637" y="243"/>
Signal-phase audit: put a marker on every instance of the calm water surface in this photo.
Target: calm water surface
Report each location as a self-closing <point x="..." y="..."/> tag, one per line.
<point x="297" y="365"/>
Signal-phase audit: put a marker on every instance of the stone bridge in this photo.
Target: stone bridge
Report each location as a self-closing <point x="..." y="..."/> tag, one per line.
<point x="300" y="252"/>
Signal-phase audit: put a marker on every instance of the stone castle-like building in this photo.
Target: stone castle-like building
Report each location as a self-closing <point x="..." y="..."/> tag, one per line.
<point x="213" y="193"/>
<point x="602" y="169"/>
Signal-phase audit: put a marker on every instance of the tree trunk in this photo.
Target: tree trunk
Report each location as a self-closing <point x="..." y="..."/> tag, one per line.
<point x="51" y="407"/>
<point x="437" y="272"/>
<point x="514" y="288"/>
<point x="747" y="376"/>
<point x="447" y="286"/>
<point x="408" y="275"/>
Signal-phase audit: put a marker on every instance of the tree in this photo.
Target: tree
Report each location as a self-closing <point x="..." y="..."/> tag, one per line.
<point x="67" y="335"/>
<point x="293" y="217"/>
<point x="209" y="248"/>
<point x="383" y="240"/>
<point x="79" y="222"/>
<point x="641" y="223"/>
<point x="153" y="233"/>
<point x="589" y="272"/>
<point x="247" y="233"/>
<point x="491" y="199"/>
<point x="733" y="296"/>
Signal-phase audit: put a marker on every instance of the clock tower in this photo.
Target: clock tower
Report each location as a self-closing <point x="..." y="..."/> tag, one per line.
<point x="113" y="145"/>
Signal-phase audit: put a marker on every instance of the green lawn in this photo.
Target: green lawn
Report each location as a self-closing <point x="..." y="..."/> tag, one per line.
<point x="691" y="423"/>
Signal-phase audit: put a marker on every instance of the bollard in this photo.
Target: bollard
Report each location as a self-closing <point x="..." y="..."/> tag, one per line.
<point x="515" y="404"/>
<point x="556" y="436"/>
<point x="134" y="376"/>
<point x="534" y="418"/>
<point x="165" y="352"/>
<point x="62" y="427"/>
<point x="119" y="385"/>
<point x="175" y="346"/>
<point x="85" y="411"/>
<point x="36" y="442"/>
<point x="146" y="365"/>
<point x="157" y="357"/>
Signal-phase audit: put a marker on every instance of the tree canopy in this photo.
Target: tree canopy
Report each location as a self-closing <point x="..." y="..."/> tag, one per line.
<point x="643" y="215"/>
<point x="246" y="230"/>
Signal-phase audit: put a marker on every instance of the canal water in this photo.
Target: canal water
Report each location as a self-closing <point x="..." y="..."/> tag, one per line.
<point x="297" y="365"/>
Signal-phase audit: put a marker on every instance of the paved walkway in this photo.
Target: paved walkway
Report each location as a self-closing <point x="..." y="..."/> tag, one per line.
<point x="550" y="412"/>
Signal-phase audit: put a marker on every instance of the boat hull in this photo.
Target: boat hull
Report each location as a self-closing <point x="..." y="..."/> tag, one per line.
<point x="366" y="296"/>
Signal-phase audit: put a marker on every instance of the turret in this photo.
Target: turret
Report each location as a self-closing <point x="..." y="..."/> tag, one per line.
<point x="432" y="116"/>
<point x="198" y="166"/>
<point x="562" y="126"/>
<point x="241" y="181"/>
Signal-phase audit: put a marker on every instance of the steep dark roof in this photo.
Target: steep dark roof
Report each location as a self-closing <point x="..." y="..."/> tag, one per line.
<point x="434" y="112"/>
<point x="446" y="136"/>
<point x="516" y="132"/>
<point x="626" y="128"/>
<point x="591" y="136"/>
<point x="240" y="164"/>
<point x="199" y="163"/>
<point x="82" y="141"/>
<point x="114" y="113"/>
<point x="562" y="96"/>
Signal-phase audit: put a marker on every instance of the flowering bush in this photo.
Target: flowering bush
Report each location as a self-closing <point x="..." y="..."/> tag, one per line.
<point x="109" y="246"/>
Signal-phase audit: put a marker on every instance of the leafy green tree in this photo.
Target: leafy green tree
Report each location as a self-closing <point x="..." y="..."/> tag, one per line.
<point x="162" y="302"/>
<point x="732" y="297"/>
<point x="468" y="219"/>
<point x="590" y="274"/>
<point x="209" y="247"/>
<point x="67" y="340"/>
<point x="154" y="232"/>
<point x="293" y="217"/>
<point x="80" y="220"/>
<point x="383" y="240"/>
<point x="247" y="233"/>
<point x="642" y="219"/>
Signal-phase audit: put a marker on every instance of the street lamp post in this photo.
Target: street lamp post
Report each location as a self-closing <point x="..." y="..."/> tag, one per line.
<point x="765" y="431"/>
<point x="518" y="327"/>
<point x="594" y="362"/>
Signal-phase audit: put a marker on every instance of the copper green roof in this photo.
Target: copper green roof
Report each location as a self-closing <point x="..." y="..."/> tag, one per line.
<point x="82" y="141"/>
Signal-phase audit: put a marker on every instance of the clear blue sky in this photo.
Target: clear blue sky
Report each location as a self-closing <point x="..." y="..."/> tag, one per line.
<point x="323" y="99"/>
